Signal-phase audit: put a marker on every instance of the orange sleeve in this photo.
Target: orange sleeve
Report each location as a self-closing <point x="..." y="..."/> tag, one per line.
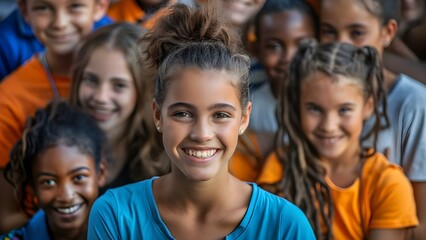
<point x="125" y="11"/>
<point x="12" y="119"/>
<point x="21" y="94"/>
<point x="272" y="171"/>
<point x="393" y="203"/>
<point x="129" y="11"/>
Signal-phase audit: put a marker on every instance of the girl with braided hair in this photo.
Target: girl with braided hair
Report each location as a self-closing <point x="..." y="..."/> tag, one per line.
<point x="374" y="23"/>
<point x="201" y="106"/>
<point x="61" y="158"/>
<point x="346" y="191"/>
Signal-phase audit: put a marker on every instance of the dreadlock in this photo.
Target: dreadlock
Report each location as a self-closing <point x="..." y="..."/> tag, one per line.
<point x="304" y="175"/>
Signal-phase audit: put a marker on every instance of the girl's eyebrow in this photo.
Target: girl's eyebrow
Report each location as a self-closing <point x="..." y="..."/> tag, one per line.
<point x="222" y="106"/>
<point x="40" y="174"/>
<point x="181" y="104"/>
<point x="214" y="106"/>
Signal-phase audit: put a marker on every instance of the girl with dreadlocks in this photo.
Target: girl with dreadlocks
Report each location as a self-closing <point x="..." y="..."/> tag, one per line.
<point x="61" y="158"/>
<point x="201" y="107"/>
<point x="347" y="191"/>
<point x="374" y="23"/>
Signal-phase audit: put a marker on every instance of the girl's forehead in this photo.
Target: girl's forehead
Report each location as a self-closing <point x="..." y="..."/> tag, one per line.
<point x="337" y="79"/>
<point x="64" y="155"/>
<point x="197" y="86"/>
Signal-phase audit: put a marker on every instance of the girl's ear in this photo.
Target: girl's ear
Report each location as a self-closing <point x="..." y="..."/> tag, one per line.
<point x="389" y="31"/>
<point x="368" y="108"/>
<point x="102" y="173"/>
<point x="101" y="7"/>
<point x="245" y="118"/>
<point x="156" y="112"/>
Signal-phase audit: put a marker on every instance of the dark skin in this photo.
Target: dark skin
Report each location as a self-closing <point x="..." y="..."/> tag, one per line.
<point x="11" y="215"/>
<point x="409" y="67"/>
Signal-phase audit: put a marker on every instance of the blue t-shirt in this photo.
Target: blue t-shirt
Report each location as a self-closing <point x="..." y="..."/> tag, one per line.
<point x="130" y="212"/>
<point x="405" y="139"/>
<point x="18" y="43"/>
<point x="35" y="228"/>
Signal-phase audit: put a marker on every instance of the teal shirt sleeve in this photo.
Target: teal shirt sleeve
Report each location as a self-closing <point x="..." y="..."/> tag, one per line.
<point x="103" y="222"/>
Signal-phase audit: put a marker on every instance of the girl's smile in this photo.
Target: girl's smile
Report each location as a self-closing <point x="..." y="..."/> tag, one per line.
<point x="200" y="119"/>
<point x="66" y="186"/>
<point x="107" y="89"/>
<point x="332" y="115"/>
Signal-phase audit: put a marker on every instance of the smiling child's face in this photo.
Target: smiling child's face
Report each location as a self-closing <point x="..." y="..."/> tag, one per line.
<point x="61" y="24"/>
<point x="66" y="184"/>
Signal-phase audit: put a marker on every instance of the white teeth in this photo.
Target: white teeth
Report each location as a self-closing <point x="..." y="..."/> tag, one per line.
<point x="201" y="154"/>
<point x="102" y="111"/>
<point x="330" y="139"/>
<point x="69" y="210"/>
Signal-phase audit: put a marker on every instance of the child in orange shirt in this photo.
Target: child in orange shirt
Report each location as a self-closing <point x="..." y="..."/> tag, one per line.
<point x="59" y="25"/>
<point x="144" y="12"/>
<point x="374" y="23"/>
<point x="347" y="191"/>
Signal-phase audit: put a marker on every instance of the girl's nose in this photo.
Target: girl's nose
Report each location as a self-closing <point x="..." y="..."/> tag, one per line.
<point x="288" y="54"/>
<point x="60" y="20"/>
<point x="344" y="38"/>
<point x="101" y="94"/>
<point x="330" y="123"/>
<point x="65" y="192"/>
<point x="202" y="131"/>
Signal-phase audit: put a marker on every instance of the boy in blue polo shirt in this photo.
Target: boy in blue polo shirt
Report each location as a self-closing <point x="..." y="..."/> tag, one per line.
<point x="18" y="40"/>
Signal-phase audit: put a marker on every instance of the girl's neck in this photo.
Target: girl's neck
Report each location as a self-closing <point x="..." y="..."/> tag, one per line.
<point x="59" y="64"/>
<point x="390" y="78"/>
<point x="74" y="234"/>
<point x="344" y="171"/>
<point x="200" y="196"/>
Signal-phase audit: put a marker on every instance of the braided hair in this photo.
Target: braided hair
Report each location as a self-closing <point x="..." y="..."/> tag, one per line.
<point x="304" y="175"/>
<point x="58" y="123"/>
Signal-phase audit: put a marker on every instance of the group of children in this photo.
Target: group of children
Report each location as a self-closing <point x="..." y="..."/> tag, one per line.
<point x="168" y="117"/>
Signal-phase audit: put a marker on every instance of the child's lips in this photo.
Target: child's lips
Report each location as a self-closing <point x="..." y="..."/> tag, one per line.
<point x="68" y="210"/>
<point x="101" y="114"/>
<point x="61" y="37"/>
<point x="329" y="140"/>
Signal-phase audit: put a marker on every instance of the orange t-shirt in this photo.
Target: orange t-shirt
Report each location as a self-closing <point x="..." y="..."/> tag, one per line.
<point x="245" y="165"/>
<point x="387" y="198"/>
<point x="129" y="11"/>
<point x="21" y="94"/>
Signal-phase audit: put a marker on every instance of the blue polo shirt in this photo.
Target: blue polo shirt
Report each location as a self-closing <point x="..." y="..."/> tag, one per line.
<point x="18" y="43"/>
